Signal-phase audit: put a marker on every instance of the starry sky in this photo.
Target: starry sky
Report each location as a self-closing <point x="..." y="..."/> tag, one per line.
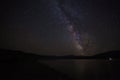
<point x="60" y="27"/>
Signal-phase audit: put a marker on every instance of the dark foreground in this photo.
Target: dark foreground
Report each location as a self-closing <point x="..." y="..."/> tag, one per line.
<point x="16" y="65"/>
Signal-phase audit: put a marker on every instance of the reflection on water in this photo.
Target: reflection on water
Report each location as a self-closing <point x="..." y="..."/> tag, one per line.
<point x="87" y="69"/>
<point x="93" y="69"/>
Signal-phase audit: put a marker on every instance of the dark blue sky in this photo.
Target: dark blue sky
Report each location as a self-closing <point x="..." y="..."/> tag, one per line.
<point x="42" y="25"/>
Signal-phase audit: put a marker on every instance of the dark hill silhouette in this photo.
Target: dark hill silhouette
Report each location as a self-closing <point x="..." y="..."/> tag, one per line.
<point x="11" y="54"/>
<point x="17" y="65"/>
<point x="109" y="54"/>
<point x="16" y="55"/>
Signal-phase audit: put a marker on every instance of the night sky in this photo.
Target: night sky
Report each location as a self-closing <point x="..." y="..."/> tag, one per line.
<point x="60" y="27"/>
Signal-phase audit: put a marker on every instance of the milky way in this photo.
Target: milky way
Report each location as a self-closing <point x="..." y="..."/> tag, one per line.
<point x="64" y="18"/>
<point x="60" y="27"/>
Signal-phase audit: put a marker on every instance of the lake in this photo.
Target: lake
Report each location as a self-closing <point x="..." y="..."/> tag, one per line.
<point x="87" y="69"/>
